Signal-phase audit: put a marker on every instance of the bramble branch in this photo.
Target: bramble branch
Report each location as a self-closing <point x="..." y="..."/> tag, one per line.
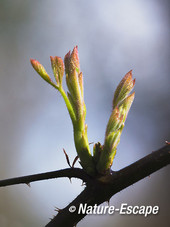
<point x="102" y="189"/>
<point x="70" y="173"/>
<point x="98" y="189"/>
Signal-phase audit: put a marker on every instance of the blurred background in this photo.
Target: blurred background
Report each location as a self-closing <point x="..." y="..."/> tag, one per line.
<point x="113" y="37"/>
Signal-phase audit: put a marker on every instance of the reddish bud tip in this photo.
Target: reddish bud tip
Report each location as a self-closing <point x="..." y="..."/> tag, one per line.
<point x="34" y="62"/>
<point x="71" y="61"/>
<point x="124" y="88"/>
<point x="40" y="70"/>
<point x="75" y="57"/>
<point x="58" y="68"/>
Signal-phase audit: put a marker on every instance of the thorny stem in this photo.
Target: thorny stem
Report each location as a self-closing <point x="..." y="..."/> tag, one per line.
<point x="70" y="173"/>
<point x="100" y="188"/>
<point x="98" y="192"/>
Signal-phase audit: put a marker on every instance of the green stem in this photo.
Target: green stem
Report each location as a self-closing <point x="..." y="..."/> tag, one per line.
<point x="80" y="135"/>
<point x="67" y="102"/>
<point x="83" y="150"/>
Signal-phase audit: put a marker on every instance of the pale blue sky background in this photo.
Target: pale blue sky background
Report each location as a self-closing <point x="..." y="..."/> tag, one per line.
<point x="113" y="37"/>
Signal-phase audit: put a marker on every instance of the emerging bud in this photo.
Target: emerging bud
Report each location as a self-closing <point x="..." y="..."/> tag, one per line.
<point x="74" y="80"/>
<point x="115" y="121"/>
<point x="124" y="88"/>
<point x="121" y="104"/>
<point x="58" y="69"/>
<point x="40" y="70"/>
<point x="73" y="85"/>
<point x="71" y="61"/>
<point x="124" y="107"/>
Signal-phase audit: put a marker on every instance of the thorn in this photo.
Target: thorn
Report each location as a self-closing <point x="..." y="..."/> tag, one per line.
<point x="70" y="180"/>
<point x="28" y="184"/>
<point x="67" y="158"/>
<point x="83" y="183"/>
<point x="57" y="209"/>
<point x="52" y="218"/>
<point x="76" y="158"/>
<point x="108" y="202"/>
<point x="167" y="142"/>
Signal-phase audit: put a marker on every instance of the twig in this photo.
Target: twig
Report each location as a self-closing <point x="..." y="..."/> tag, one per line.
<point x="70" y="172"/>
<point x="98" y="192"/>
<point x="101" y="188"/>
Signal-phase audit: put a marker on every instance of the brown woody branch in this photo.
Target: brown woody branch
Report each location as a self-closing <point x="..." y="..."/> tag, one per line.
<point x="102" y="189"/>
<point x="70" y="173"/>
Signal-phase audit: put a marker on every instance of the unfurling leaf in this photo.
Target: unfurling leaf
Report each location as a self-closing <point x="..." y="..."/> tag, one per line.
<point x="40" y="70"/>
<point x="58" y="69"/>
<point x="121" y="104"/>
<point x="123" y="89"/>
